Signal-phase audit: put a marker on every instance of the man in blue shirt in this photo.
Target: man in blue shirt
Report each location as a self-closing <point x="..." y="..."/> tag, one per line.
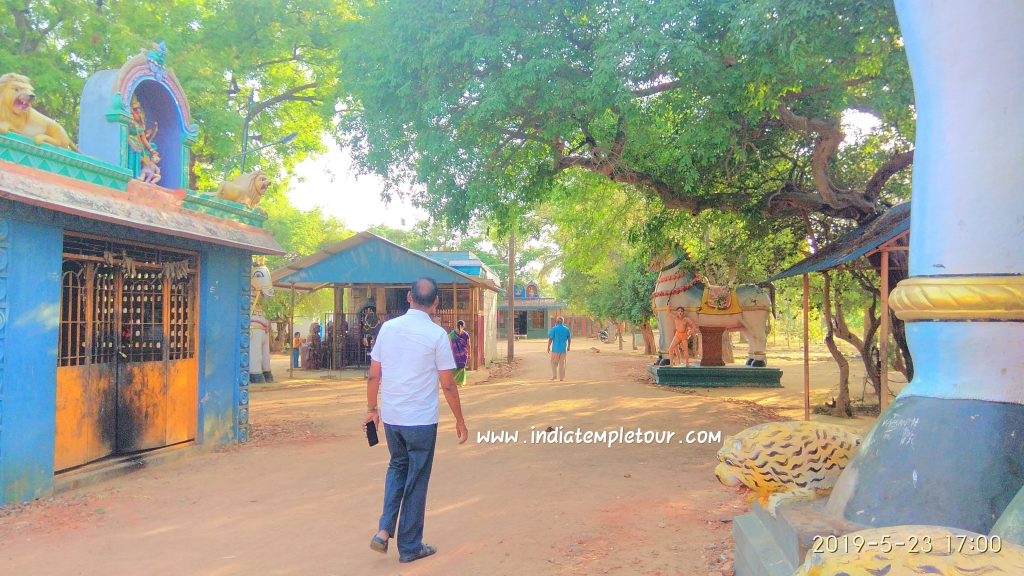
<point x="559" y="343"/>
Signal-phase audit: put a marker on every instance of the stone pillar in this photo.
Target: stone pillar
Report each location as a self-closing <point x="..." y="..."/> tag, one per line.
<point x="950" y="450"/>
<point x="711" y="347"/>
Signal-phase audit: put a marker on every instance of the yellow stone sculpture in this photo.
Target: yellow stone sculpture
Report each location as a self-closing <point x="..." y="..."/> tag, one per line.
<point x="786" y="461"/>
<point x="912" y="551"/>
<point x="19" y="117"/>
<point x="246" y="189"/>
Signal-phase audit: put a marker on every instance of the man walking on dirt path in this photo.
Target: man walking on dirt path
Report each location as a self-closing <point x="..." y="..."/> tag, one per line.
<point x="559" y="344"/>
<point x="409" y="356"/>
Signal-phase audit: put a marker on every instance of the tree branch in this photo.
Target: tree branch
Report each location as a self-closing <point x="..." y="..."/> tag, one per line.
<point x="842" y="403"/>
<point x="888" y="170"/>
<point x="792" y="200"/>
<point x="819" y="89"/>
<point x="291" y="94"/>
<point x="829" y="139"/>
<point x="627" y="176"/>
<point x="620" y="140"/>
<point x="657" y="88"/>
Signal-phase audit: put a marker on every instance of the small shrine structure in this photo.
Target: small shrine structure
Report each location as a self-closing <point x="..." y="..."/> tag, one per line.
<point x="124" y="296"/>
<point x="370" y="277"/>
<point x="534" y="314"/>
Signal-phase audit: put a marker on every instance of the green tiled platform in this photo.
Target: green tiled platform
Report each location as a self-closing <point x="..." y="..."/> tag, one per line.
<point x="716" y="376"/>
<point x="209" y="204"/>
<point x="19" y="150"/>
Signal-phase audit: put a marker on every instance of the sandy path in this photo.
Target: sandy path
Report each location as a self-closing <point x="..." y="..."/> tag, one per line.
<point x="303" y="498"/>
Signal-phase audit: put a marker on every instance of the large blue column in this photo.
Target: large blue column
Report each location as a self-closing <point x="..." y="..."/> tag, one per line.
<point x="950" y="450"/>
<point x="30" y="273"/>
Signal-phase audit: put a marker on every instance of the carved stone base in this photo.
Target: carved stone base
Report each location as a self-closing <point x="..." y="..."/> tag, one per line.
<point x="707" y="377"/>
<point x="934" y="461"/>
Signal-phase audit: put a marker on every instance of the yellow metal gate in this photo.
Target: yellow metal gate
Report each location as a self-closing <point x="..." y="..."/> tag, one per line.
<point x="127" y="372"/>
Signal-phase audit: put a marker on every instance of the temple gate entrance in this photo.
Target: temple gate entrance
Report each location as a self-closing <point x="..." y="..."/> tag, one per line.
<point x="127" y="371"/>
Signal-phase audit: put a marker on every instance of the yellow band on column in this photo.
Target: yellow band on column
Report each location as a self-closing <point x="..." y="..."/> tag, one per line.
<point x="959" y="298"/>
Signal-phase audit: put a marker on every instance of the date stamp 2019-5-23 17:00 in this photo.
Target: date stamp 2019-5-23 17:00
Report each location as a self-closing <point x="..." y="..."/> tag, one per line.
<point x="910" y="543"/>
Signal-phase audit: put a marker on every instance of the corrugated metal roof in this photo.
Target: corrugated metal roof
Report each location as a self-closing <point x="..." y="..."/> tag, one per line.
<point x="854" y="244"/>
<point x="463" y="261"/>
<point x="444" y="256"/>
<point x="163" y="214"/>
<point x="368" y="259"/>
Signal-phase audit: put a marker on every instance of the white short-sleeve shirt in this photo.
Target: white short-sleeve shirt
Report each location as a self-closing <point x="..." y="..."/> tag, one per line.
<point x="411" y="350"/>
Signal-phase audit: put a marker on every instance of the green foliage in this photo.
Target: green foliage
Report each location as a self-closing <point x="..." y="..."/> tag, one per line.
<point x="220" y="51"/>
<point x="488" y="104"/>
<point x="624" y="295"/>
<point x="609" y="237"/>
<point x="300" y="234"/>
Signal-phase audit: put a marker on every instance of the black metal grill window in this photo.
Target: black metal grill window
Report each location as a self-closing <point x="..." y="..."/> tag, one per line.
<point x="104" y="329"/>
<point x="181" y="341"/>
<point x="142" y="317"/>
<point x="73" y="323"/>
<point x="126" y="302"/>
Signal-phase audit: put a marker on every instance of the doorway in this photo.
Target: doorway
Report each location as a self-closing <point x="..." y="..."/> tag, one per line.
<point x="520" y="323"/>
<point x="127" y="372"/>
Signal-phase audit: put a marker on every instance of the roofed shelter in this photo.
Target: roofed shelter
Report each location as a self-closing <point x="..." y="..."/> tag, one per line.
<point x="124" y="296"/>
<point x="370" y="277"/>
<point x="888" y="233"/>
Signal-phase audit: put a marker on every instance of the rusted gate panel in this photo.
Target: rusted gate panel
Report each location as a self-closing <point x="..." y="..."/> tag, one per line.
<point x="128" y="374"/>
<point x="86" y="379"/>
<point x="182" y="364"/>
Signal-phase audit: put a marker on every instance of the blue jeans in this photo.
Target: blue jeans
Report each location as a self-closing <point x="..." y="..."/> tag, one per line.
<point x="405" y="489"/>
<point x="295" y="357"/>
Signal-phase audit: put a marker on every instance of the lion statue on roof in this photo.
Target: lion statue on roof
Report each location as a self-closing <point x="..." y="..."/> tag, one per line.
<point x="246" y="189"/>
<point x="17" y="115"/>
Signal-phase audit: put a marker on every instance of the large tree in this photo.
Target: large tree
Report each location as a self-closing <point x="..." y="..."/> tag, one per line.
<point x="726" y="104"/>
<point x="282" y="52"/>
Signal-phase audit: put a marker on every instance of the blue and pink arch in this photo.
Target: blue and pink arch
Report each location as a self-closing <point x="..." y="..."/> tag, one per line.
<point x="105" y="118"/>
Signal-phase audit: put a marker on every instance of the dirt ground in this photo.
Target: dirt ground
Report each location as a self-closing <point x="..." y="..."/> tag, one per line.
<point x="303" y="497"/>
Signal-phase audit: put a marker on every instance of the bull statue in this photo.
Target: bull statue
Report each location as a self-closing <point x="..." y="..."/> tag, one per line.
<point x="746" y="308"/>
<point x="259" y="326"/>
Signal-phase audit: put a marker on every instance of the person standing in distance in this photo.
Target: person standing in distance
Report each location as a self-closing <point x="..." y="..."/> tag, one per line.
<point x="410" y="355"/>
<point x="460" y="349"/>
<point x="559" y="344"/>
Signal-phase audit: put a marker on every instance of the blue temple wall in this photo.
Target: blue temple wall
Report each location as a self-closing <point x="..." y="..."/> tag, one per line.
<point x="222" y="324"/>
<point x="98" y="135"/>
<point x="29" y="352"/>
<point x="31" y="253"/>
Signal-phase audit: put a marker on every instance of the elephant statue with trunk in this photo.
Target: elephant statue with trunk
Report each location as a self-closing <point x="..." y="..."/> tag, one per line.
<point x="746" y="308"/>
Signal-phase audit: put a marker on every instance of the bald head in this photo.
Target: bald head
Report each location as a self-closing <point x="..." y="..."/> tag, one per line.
<point x="423" y="293"/>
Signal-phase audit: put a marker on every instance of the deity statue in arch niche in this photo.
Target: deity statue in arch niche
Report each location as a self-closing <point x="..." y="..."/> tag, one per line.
<point x="143" y="159"/>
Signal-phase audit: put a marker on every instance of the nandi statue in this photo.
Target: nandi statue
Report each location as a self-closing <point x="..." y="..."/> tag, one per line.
<point x="259" y="325"/>
<point x="745" y="309"/>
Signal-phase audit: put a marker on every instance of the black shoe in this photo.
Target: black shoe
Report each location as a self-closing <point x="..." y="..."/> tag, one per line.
<point x="425" y="550"/>
<point x="379" y="544"/>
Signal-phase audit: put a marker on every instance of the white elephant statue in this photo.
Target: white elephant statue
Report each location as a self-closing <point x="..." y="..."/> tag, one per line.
<point x="259" y="327"/>
<point x="745" y="309"/>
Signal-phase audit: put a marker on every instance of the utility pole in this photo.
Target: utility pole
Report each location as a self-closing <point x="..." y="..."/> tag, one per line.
<point x="511" y="321"/>
<point x="245" y="128"/>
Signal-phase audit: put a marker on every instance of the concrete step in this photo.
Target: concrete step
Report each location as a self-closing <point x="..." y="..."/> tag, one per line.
<point x="767" y="546"/>
<point x="757" y="552"/>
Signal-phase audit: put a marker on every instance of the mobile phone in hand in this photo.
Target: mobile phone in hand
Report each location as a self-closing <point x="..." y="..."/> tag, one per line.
<point x="371" y="433"/>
